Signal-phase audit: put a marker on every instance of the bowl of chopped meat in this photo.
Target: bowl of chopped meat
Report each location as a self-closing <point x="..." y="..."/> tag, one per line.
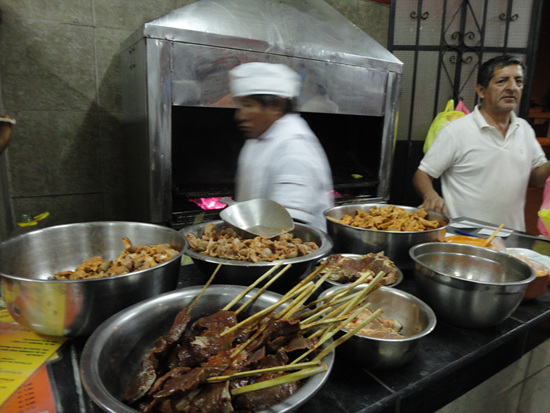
<point x="243" y="260"/>
<point x="212" y="349"/>
<point x="392" y="337"/>
<point x="393" y="229"/>
<point x="65" y="280"/>
<point x="347" y="268"/>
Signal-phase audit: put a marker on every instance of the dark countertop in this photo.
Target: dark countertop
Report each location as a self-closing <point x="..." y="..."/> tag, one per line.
<point x="450" y="361"/>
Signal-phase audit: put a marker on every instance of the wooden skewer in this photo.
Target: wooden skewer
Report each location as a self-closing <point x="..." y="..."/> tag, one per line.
<point x="217" y="379"/>
<point x="263" y="313"/>
<point x="494" y="234"/>
<point x="336" y="343"/>
<point x="299" y="375"/>
<point x="251" y="286"/>
<point x="264" y="287"/>
<point x="204" y="288"/>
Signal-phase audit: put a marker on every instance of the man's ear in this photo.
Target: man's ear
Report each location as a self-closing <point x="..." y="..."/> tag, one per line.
<point x="480" y="90"/>
<point x="277" y="107"/>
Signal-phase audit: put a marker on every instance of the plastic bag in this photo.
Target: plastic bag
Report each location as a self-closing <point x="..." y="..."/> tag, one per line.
<point x="440" y="121"/>
<point x="543" y="222"/>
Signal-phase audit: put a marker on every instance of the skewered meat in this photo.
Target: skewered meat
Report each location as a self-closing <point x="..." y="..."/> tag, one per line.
<point x="164" y="386"/>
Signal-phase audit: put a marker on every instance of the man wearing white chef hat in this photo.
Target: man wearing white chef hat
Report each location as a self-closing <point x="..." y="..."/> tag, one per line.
<point x="282" y="159"/>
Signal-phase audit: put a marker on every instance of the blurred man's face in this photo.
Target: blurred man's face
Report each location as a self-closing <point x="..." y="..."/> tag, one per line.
<point x="503" y="93"/>
<point x="252" y="118"/>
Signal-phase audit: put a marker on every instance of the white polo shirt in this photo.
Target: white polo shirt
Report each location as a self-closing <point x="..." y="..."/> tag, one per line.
<point x="288" y="165"/>
<point x="483" y="174"/>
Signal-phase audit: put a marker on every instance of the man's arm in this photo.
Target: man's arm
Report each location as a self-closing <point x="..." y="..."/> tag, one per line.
<point x="539" y="175"/>
<point x="6" y="125"/>
<point x="423" y="184"/>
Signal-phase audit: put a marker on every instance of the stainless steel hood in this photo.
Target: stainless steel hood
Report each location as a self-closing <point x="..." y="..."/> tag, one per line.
<point x="302" y="28"/>
<point x="182" y="59"/>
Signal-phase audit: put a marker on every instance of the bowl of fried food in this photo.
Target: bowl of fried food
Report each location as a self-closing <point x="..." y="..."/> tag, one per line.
<point x="395" y="322"/>
<point x="393" y="229"/>
<point x="346" y="268"/>
<point x="469" y="286"/>
<point x="243" y="260"/>
<point x="221" y="348"/>
<point x="65" y="280"/>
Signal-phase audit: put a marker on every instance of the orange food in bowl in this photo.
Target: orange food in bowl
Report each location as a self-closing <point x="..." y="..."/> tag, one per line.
<point x="464" y="239"/>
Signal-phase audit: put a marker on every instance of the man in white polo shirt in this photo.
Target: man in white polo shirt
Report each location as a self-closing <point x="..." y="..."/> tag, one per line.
<point x="486" y="159"/>
<point x="282" y="159"/>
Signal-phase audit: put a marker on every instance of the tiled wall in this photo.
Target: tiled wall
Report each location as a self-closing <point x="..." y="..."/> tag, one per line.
<point x="59" y="66"/>
<point x="522" y="387"/>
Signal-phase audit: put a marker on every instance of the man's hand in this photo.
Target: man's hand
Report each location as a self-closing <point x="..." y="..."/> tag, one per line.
<point x="423" y="183"/>
<point x="434" y="202"/>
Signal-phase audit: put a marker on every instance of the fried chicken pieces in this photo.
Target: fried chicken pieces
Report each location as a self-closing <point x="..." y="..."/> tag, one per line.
<point x="133" y="258"/>
<point x="390" y="218"/>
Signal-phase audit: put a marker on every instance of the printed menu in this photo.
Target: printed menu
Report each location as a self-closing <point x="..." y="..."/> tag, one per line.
<point x="24" y="382"/>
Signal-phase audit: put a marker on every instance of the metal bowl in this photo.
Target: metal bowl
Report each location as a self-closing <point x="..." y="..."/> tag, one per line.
<point x="331" y="283"/>
<point x="75" y="308"/>
<point x="113" y="353"/>
<point x="470" y="286"/>
<point x="416" y="317"/>
<point x="395" y="244"/>
<point x="244" y="272"/>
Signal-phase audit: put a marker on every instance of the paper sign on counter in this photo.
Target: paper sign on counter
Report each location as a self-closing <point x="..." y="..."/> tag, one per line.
<point x="22" y="352"/>
<point x="34" y="396"/>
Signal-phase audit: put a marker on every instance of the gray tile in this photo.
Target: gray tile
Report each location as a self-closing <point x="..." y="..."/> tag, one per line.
<point x="63" y="209"/>
<point x="68" y="11"/>
<point x="108" y="68"/>
<point x="540" y="358"/>
<point x="113" y="166"/>
<point x="500" y="393"/>
<point x="482" y="400"/>
<point x="55" y="153"/>
<point x="373" y="18"/>
<point x="536" y="393"/>
<point x="48" y="66"/>
<point x="122" y="14"/>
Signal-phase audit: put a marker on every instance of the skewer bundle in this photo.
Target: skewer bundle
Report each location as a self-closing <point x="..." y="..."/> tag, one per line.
<point x="225" y="372"/>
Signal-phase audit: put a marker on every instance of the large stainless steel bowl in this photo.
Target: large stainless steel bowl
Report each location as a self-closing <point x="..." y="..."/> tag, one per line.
<point x="244" y="272"/>
<point x="469" y="286"/>
<point x="74" y="308"/>
<point x="416" y="317"/>
<point x="395" y="244"/>
<point x="112" y="354"/>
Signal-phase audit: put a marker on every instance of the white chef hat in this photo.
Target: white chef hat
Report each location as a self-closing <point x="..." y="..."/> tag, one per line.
<point x="258" y="78"/>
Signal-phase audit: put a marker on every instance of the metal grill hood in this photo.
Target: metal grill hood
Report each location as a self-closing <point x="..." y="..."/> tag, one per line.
<point x="302" y="28"/>
<point x="182" y="60"/>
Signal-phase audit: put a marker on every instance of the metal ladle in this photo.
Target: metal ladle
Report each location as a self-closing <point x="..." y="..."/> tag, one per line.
<point x="262" y="217"/>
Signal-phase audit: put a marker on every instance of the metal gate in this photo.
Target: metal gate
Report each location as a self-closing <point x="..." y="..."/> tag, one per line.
<point x="441" y="44"/>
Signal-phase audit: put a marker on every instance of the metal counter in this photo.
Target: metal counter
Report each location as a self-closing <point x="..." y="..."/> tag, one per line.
<point x="450" y="361"/>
